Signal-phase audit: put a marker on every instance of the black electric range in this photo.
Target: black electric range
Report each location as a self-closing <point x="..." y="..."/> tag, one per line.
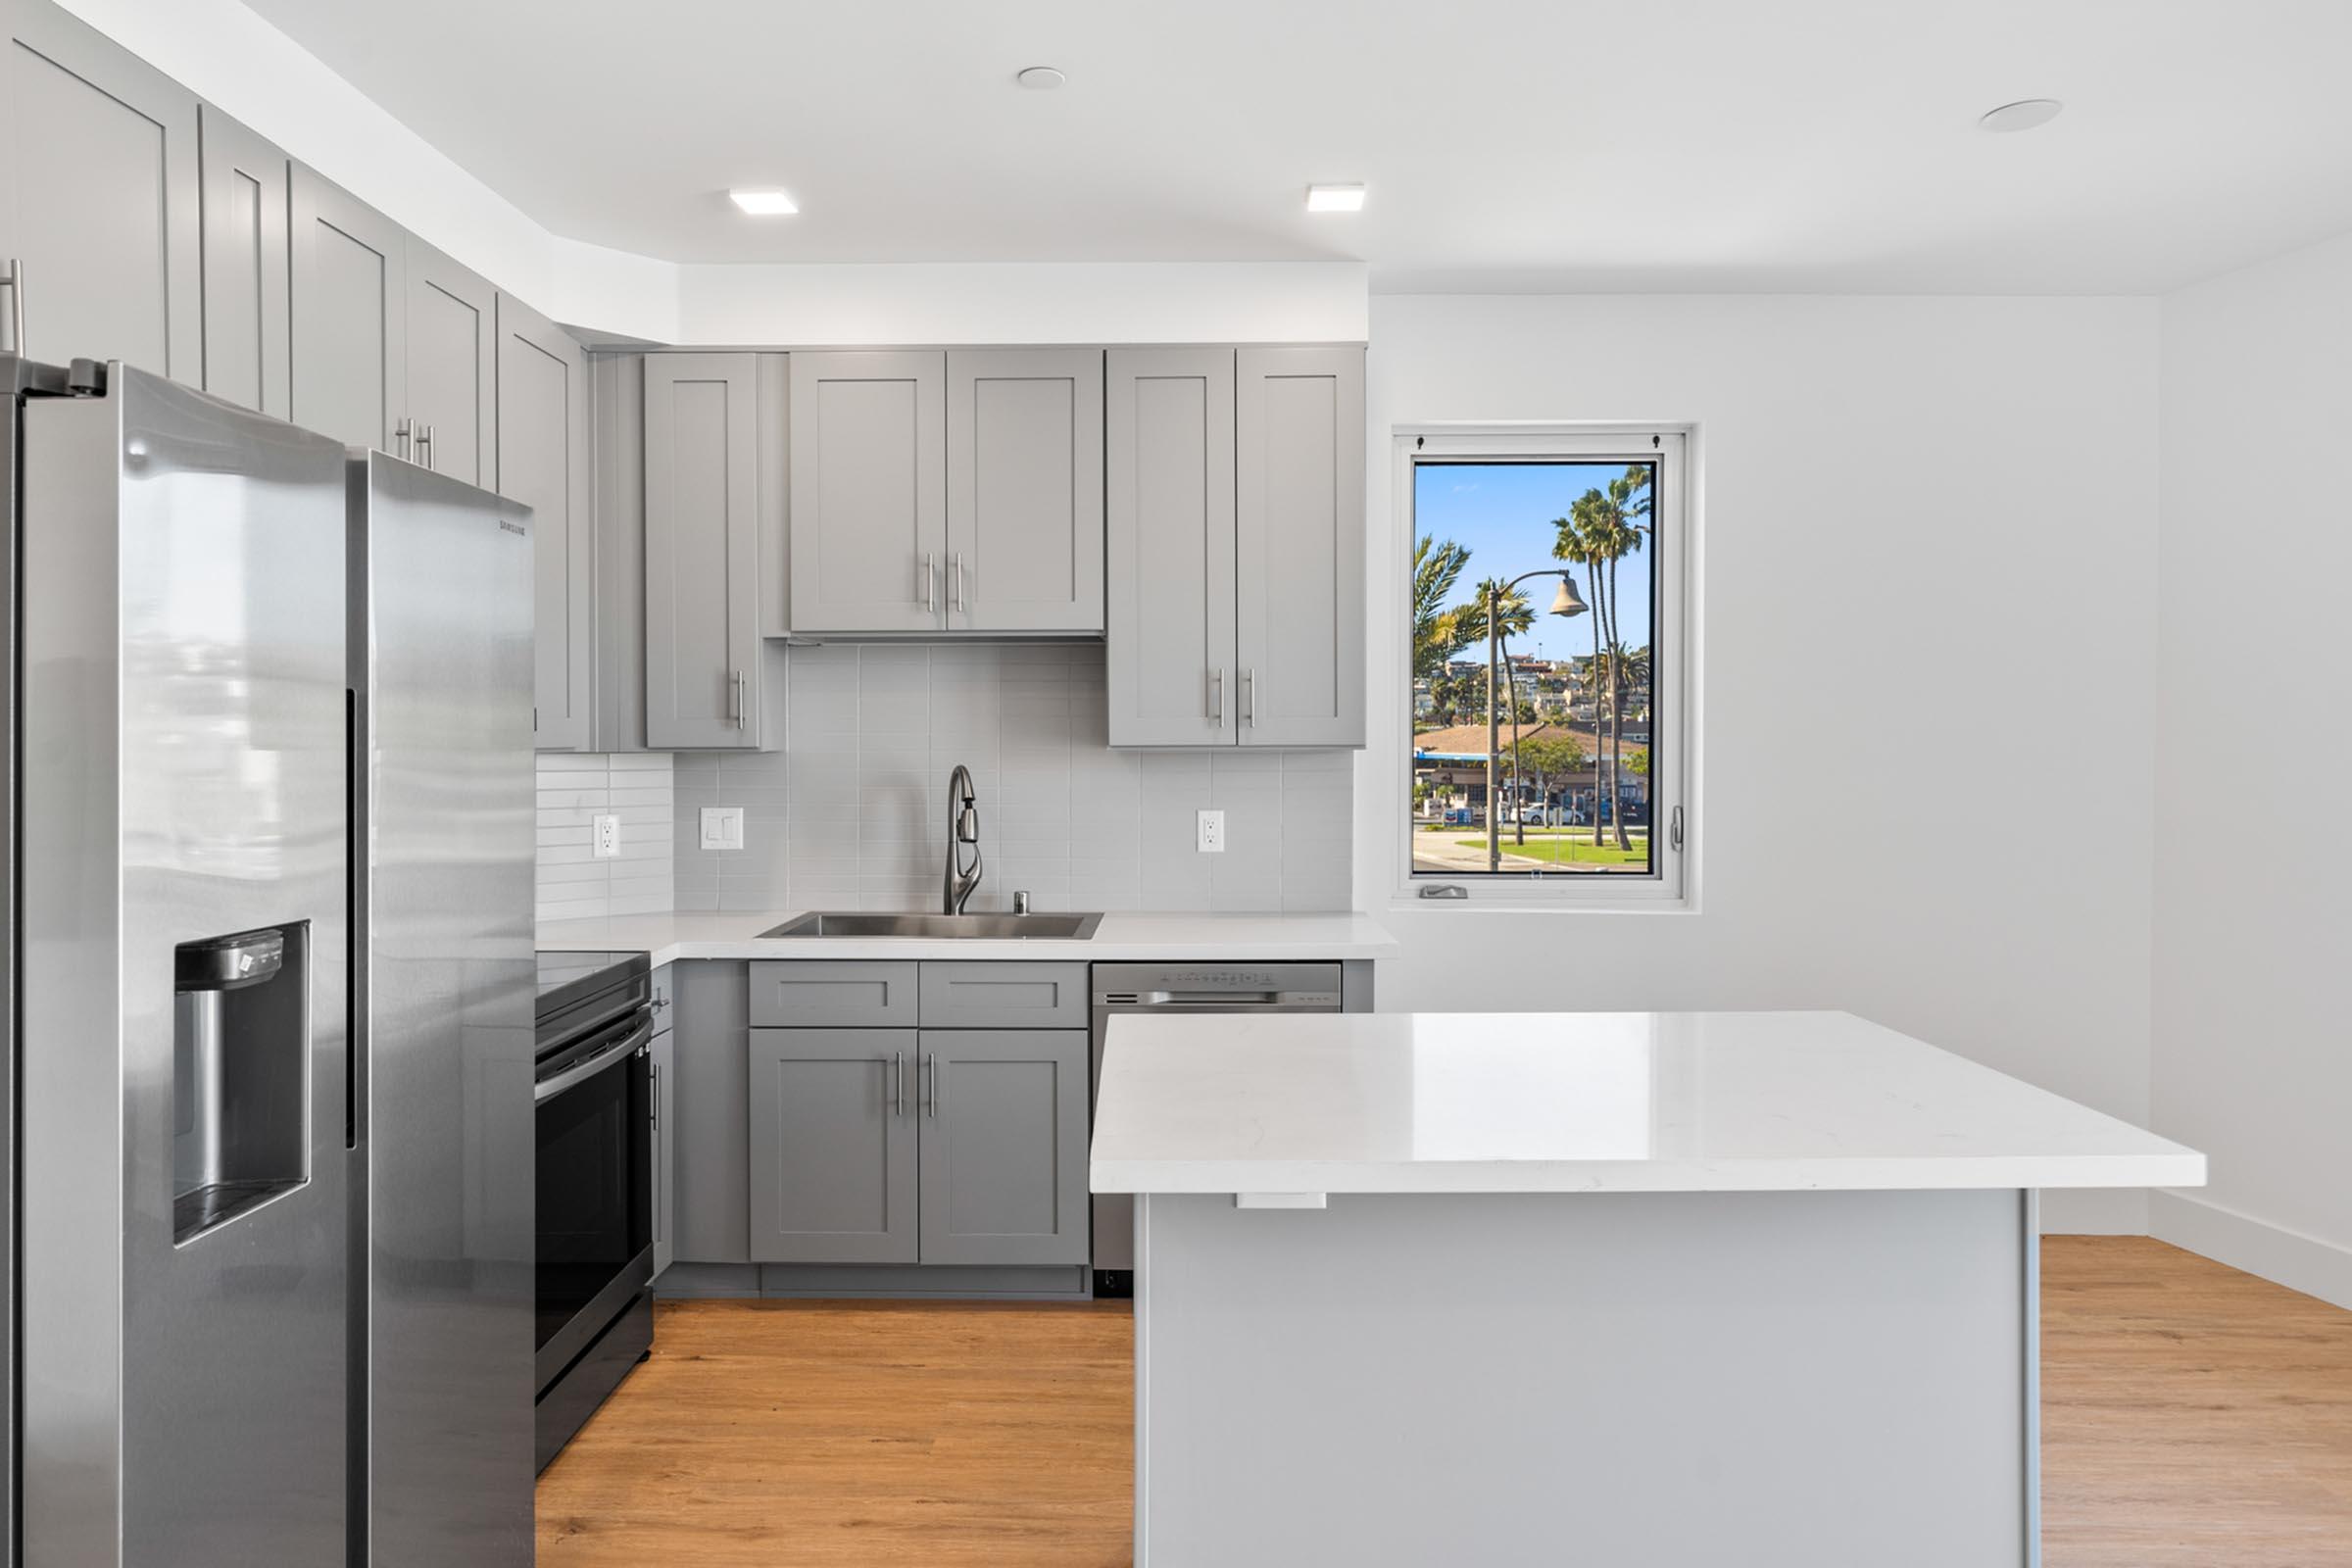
<point x="579" y="990"/>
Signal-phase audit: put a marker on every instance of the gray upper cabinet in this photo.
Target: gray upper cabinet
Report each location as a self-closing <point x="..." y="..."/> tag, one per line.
<point x="1024" y="490"/>
<point x="543" y="461"/>
<point x="350" y="287"/>
<point x="99" y="229"/>
<point x="833" y="1154"/>
<point x="868" y="514"/>
<point x="1298" y="546"/>
<point x="1236" y="547"/>
<point x="701" y="555"/>
<point x="248" y="358"/>
<point x="1003" y="1146"/>
<point x="452" y="360"/>
<point x="1169" y="626"/>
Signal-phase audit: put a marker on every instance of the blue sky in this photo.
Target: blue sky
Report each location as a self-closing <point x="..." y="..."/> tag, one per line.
<point x="1502" y="511"/>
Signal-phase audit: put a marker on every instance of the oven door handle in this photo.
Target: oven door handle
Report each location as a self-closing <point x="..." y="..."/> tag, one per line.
<point x="574" y="1076"/>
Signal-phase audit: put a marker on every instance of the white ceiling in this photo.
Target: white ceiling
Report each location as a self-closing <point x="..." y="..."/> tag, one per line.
<point x="1812" y="145"/>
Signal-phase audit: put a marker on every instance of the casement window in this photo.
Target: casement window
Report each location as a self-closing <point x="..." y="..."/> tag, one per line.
<point x="1548" y="762"/>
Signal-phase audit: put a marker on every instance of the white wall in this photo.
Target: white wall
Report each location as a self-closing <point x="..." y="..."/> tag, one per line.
<point x="2253" y="1044"/>
<point x="1928" y="594"/>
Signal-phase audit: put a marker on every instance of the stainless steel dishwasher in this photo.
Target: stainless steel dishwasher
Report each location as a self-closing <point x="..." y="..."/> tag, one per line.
<point x="1199" y="988"/>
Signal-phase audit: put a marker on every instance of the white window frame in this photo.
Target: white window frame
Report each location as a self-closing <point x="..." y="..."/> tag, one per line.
<point x="1673" y="885"/>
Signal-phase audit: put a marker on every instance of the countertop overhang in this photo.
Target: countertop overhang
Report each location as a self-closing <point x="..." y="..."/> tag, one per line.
<point x="1121" y="938"/>
<point x="1585" y="1103"/>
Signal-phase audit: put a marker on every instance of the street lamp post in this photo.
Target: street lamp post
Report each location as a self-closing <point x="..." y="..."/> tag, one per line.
<point x="1565" y="604"/>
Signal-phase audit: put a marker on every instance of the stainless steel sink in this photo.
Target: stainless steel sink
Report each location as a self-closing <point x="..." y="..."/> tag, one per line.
<point x="931" y="927"/>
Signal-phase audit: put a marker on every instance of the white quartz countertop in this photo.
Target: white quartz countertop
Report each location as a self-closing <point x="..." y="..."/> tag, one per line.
<point x="1597" y="1101"/>
<point x="1120" y="937"/>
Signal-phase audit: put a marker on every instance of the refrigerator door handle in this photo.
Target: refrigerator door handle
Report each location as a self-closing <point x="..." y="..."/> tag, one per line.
<point x="14" y="282"/>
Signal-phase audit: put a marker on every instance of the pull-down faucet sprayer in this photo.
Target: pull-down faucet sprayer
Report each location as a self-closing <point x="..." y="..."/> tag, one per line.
<point x="963" y="828"/>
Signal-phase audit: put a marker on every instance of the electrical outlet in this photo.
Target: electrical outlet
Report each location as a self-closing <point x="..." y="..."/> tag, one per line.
<point x="607" y="837"/>
<point x="723" y="828"/>
<point x="1210" y="837"/>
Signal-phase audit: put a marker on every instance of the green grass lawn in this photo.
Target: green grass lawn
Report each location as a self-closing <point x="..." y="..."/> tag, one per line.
<point x="1570" y="846"/>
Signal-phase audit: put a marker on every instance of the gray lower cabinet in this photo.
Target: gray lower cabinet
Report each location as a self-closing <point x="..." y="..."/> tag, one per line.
<point x="1024" y="490"/>
<point x="833" y="1155"/>
<point x="1235" y="547"/>
<point x="1298" y="546"/>
<point x="350" y="307"/>
<point x="99" y="197"/>
<point x="1003" y="1146"/>
<point x="868" y="514"/>
<point x="666" y="1115"/>
<point x="248" y="355"/>
<point x="701" y="552"/>
<point x="543" y="461"/>
<point x="705" y="1113"/>
<point x="451" y="367"/>
<point x="1168" y="628"/>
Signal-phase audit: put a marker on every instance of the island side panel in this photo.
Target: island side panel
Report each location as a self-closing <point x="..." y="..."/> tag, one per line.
<point x="1780" y="1380"/>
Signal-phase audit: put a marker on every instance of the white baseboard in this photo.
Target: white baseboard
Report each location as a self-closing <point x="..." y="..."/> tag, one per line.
<point x="2096" y="1212"/>
<point x="2283" y="1256"/>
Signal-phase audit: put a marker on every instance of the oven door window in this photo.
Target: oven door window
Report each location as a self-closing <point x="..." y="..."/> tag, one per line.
<point x="595" y="1183"/>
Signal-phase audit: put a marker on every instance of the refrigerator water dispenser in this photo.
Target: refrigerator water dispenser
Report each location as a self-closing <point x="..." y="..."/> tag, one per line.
<point x="241" y="1030"/>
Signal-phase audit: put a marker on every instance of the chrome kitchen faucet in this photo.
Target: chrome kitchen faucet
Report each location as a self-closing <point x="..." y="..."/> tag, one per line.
<point x="963" y="828"/>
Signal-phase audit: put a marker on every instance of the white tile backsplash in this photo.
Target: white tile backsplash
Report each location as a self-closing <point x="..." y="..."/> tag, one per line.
<point x="576" y="788"/>
<point x="851" y="812"/>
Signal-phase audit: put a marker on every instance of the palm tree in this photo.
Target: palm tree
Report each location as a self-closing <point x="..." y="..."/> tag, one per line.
<point x="1436" y="637"/>
<point x="1603" y="528"/>
<point x="1513" y="616"/>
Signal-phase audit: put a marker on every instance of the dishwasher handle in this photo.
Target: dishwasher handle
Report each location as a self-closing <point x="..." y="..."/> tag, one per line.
<point x="1222" y="1000"/>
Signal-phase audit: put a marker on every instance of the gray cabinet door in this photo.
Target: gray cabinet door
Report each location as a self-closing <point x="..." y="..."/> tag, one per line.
<point x="1025" y="490"/>
<point x="868" y="522"/>
<point x="665" y="1182"/>
<point x="617" y="383"/>
<point x="701" y="555"/>
<point x="351" y="297"/>
<point x="1003" y="1146"/>
<point x="1168" y="629"/>
<point x="451" y="366"/>
<point x="1299" y="556"/>
<point x="543" y="461"/>
<point x="98" y="200"/>
<point x="248" y="353"/>
<point x="832" y="1145"/>
<point x="835" y="993"/>
<point x="705" y="1113"/>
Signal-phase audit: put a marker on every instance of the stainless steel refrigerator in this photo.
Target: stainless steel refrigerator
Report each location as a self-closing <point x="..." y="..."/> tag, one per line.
<point x="270" y="966"/>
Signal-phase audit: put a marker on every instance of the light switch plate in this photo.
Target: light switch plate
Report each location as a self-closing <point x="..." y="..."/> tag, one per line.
<point x="1211" y="838"/>
<point x="723" y="828"/>
<point x="607" y="837"/>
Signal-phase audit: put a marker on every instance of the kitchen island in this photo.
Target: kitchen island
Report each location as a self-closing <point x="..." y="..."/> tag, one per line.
<point x="1643" y="1289"/>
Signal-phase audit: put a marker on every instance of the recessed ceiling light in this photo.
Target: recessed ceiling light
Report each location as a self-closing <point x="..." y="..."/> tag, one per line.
<point x="2023" y="114"/>
<point x="1335" y="198"/>
<point x="1040" y="79"/>
<point x="765" y="203"/>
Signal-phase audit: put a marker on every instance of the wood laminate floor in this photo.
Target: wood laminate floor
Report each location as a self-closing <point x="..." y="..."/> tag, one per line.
<point x="2190" y="1416"/>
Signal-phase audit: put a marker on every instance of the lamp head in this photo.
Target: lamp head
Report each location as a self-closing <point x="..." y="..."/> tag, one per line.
<point x="1567" y="602"/>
